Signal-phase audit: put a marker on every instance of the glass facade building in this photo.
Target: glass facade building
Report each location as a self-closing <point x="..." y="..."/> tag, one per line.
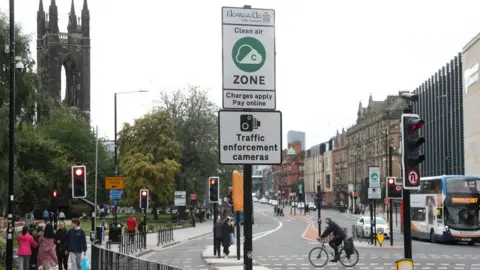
<point x="440" y="105"/>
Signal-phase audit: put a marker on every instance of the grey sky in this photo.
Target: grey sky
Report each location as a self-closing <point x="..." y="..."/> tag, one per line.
<point x="330" y="54"/>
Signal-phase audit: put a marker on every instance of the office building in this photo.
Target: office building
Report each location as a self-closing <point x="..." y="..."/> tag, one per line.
<point x="294" y="136"/>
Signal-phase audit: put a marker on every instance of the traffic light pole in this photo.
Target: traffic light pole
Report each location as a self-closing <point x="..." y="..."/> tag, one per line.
<point x="215" y="217"/>
<point x="390" y="205"/>
<point x="407" y="230"/>
<point x="144" y="228"/>
<point x="319" y="209"/>
<point x="247" y="217"/>
<point x="115" y="221"/>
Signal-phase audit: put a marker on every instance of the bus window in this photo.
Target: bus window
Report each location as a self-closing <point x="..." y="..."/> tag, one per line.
<point x="418" y="214"/>
<point x="439" y="215"/>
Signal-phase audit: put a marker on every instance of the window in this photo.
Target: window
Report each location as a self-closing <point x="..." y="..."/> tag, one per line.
<point x="300" y="168"/>
<point x="327" y="181"/>
<point x="417" y="214"/>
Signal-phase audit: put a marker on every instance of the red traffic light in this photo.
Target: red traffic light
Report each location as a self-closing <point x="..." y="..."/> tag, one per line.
<point x="144" y="193"/>
<point x="416" y="124"/>
<point x="391" y="181"/>
<point x="54" y="194"/>
<point x="78" y="172"/>
<point x="212" y="182"/>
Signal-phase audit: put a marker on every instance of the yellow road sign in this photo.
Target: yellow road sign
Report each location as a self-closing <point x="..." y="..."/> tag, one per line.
<point x="380" y="236"/>
<point x="114" y="182"/>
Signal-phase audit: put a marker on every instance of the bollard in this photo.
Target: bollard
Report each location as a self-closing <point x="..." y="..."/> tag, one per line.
<point x="404" y="264"/>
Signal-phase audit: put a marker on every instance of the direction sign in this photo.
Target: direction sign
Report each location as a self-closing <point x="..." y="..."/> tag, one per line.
<point x="413" y="180"/>
<point x="253" y="137"/>
<point x="374" y="177"/>
<point x="115" y="194"/>
<point x="248" y="58"/>
<point x="114" y="182"/>
<point x="180" y="198"/>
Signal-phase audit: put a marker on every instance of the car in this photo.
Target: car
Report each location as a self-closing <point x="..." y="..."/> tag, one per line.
<point x="263" y="200"/>
<point x="301" y="205"/>
<point x="363" y="226"/>
<point x="311" y="206"/>
<point x="255" y="199"/>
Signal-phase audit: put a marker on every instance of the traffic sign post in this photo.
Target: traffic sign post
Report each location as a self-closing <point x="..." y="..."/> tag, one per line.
<point x="115" y="182"/>
<point x="248" y="58"/>
<point x="115" y="194"/>
<point x="253" y="137"/>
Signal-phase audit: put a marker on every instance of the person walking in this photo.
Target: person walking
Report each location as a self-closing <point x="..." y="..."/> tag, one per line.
<point x="61" y="215"/>
<point x="25" y="245"/>
<point x="76" y="244"/>
<point x="222" y="234"/>
<point x="60" y="242"/>
<point x="46" y="216"/>
<point x="131" y="225"/>
<point x="47" y="258"/>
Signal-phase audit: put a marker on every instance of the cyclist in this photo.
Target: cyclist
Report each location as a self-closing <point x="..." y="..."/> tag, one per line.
<point x="338" y="236"/>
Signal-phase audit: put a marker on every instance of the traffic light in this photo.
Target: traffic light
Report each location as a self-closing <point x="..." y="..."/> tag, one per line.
<point x="214" y="190"/>
<point x="54" y="194"/>
<point x="144" y="196"/>
<point x="229" y="196"/>
<point x="411" y="157"/>
<point x="393" y="191"/>
<point x="79" y="181"/>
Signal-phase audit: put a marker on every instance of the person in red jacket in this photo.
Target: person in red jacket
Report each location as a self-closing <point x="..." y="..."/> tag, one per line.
<point x="25" y="245"/>
<point x="131" y="225"/>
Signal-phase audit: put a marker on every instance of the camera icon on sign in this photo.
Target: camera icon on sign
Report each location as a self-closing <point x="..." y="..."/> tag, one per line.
<point x="248" y="122"/>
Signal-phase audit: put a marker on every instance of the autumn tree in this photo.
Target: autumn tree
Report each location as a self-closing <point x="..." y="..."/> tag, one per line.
<point x="149" y="154"/>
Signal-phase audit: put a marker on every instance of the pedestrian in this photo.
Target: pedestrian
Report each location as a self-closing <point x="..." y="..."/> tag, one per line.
<point x="222" y="234"/>
<point x="131" y="225"/>
<point x="76" y="244"/>
<point x="60" y="243"/>
<point x="47" y="257"/>
<point x="25" y="245"/>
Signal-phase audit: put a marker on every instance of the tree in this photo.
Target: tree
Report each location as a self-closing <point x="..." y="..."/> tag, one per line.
<point x="149" y="154"/>
<point x="196" y="128"/>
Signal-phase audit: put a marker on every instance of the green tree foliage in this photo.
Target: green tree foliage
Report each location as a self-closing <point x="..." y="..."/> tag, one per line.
<point x="196" y="128"/>
<point x="149" y="154"/>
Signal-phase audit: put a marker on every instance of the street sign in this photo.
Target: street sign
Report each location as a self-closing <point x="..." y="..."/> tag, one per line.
<point x="248" y="58"/>
<point x="374" y="193"/>
<point x="374" y="177"/>
<point x="180" y="198"/>
<point x="386" y="201"/>
<point x="193" y="196"/>
<point x="250" y="137"/>
<point x="115" y="194"/>
<point x="114" y="182"/>
<point x="413" y="180"/>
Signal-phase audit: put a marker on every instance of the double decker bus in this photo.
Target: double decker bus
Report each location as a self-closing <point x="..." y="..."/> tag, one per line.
<point x="446" y="208"/>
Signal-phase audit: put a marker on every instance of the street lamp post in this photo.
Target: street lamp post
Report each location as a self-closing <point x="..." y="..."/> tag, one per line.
<point x="115" y="138"/>
<point x="15" y="63"/>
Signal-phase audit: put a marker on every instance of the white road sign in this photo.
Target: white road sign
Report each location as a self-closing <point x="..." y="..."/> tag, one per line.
<point x="180" y="198"/>
<point x="250" y="137"/>
<point x="374" y="177"/>
<point x="374" y="193"/>
<point x="248" y="58"/>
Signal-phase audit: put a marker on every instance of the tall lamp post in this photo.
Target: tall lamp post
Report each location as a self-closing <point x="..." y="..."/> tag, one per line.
<point x="115" y="138"/>
<point x="15" y="63"/>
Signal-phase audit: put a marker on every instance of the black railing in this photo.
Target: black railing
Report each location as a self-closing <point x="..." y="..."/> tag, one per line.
<point x="103" y="259"/>
<point x="132" y="242"/>
<point x="164" y="236"/>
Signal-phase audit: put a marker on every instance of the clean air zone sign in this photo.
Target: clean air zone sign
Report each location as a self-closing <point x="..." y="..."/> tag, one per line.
<point x="248" y="58"/>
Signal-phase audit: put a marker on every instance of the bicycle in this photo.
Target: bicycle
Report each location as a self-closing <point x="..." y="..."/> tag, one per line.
<point x="346" y="260"/>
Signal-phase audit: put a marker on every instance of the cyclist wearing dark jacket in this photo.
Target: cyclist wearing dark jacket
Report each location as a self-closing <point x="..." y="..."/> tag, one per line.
<point x="338" y="236"/>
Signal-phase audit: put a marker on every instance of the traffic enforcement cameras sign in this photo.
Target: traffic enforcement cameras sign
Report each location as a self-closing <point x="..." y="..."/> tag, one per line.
<point x="248" y="42"/>
<point x="253" y="137"/>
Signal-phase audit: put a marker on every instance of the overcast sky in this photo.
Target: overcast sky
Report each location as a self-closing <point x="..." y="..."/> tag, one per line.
<point x="330" y="54"/>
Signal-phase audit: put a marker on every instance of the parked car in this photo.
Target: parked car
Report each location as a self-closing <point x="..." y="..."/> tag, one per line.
<point x="363" y="226"/>
<point x="311" y="206"/>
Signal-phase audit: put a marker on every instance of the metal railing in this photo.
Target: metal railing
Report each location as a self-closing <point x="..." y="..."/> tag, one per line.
<point x="104" y="259"/>
<point x="132" y="242"/>
<point x="164" y="236"/>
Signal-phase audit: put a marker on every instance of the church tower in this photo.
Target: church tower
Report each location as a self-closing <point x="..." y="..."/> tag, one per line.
<point x="69" y="50"/>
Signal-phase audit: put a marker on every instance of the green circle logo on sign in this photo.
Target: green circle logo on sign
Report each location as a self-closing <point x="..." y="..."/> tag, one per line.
<point x="248" y="54"/>
<point x="374" y="176"/>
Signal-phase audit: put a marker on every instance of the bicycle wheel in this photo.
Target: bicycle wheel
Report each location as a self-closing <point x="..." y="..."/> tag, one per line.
<point x="349" y="261"/>
<point x="318" y="257"/>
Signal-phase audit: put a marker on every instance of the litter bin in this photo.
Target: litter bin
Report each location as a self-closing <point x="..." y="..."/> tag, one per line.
<point x="99" y="235"/>
<point x="114" y="233"/>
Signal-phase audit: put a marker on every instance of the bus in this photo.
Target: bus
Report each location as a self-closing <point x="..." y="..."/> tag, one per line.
<point x="446" y="208"/>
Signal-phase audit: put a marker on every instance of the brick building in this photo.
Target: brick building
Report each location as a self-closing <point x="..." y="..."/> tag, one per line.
<point x="288" y="175"/>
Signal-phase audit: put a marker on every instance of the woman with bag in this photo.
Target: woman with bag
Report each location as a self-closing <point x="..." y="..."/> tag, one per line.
<point x="25" y="246"/>
<point x="47" y="257"/>
<point x="60" y="243"/>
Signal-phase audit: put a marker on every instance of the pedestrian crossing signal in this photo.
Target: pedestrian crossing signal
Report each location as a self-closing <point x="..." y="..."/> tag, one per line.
<point x="144" y="196"/>
<point x="79" y="181"/>
<point x="214" y="189"/>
